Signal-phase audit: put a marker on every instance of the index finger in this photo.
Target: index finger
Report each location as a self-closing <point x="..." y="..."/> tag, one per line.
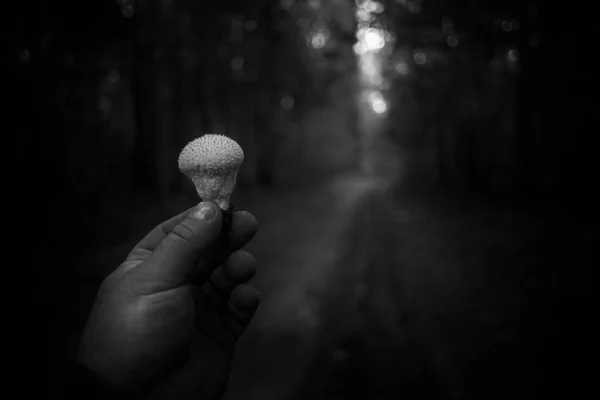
<point x="149" y="243"/>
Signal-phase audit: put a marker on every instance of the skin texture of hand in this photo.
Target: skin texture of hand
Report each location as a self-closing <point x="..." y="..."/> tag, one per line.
<point x="165" y="322"/>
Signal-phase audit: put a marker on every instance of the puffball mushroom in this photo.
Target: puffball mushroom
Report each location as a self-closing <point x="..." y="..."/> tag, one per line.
<point x="211" y="162"/>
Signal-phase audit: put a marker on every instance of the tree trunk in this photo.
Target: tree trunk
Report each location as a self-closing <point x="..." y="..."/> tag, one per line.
<point x="144" y="169"/>
<point x="153" y="95"/>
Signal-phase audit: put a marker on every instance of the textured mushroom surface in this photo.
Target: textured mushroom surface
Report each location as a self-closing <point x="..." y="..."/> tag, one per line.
<point x="211" y="162"/>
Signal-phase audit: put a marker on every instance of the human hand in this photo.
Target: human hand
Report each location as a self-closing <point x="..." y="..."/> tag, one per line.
<point x="165" y="322"/>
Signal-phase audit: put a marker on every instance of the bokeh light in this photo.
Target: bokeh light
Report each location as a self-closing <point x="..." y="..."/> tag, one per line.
<point x="237" y="63"/>
<point x="414" y="8"/>
<point x="315" y="4"/>
<point x="420" y="58"/>
<point x="286" y="4"/>
<point x="364" y="16"/>
<point x="512" y="55"/>
<point x="377" y="101"/>
<point x="287" y="102"/>
<point x="401" y="68"/>
<point x="507" y="26"/>
<point x="372" y="51"/>
<point x="317" y="39"/>
<point x="372" y="38"/>
<point x="250" y="25"/>
<point x="452" y="41"/>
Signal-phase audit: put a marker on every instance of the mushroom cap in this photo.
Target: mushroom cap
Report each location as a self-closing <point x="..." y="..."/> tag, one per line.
<point x="214" y="153"/>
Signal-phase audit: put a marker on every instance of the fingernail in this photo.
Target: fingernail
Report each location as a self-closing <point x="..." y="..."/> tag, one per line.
<point x="204" y="212"/>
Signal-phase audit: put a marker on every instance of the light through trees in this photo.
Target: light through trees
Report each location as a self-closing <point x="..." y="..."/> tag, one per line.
<point x="372" y="40"/>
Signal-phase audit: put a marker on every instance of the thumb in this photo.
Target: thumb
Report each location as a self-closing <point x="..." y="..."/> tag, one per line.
<point x="175" y="258"/>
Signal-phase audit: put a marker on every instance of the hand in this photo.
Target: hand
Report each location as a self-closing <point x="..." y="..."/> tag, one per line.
<point x="165" y="322"/>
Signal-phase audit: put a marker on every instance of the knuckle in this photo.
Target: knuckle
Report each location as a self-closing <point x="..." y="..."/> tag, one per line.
<point x="185" y="232"/>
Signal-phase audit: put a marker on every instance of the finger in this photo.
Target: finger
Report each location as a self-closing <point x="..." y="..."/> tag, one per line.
<point x="209" y="321"/>
<point x="243" y="303"/>
<point x="147" y="245"/>
<point x="243" y="229"/>
<point x="239" y="268"/>
<point x="173" y="261"/>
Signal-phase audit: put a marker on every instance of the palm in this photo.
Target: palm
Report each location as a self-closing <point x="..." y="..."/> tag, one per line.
<point x="212" y="334"/>
<point x="152" y="328"/>
<point x="204" y="369"/>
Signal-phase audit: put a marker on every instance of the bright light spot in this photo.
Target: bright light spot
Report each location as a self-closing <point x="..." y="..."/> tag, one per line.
<point x="250" y="25"/>
<point x="379" y="106"/>
<point x="370" y="6"/>
<point x="287" y="102"/>
<point x="379" y="8"/>
<point x="512" y="55"/>
<point x="507" y="26"/>
<point x="360" y="48"/>
<point x="285" y="4"/>
<point x="361" y="3"/>
<point x="374" y="39"/>
<point x="24" y="56"/>
<point x="401" y="68"/>
<point x="363" y="15"/>
<point x="237" y="63"/>
<point x="361" y="32"/>
<point x="369" y="66"/>
<point x="376" y="80"/>
<point x="420" y="58"/>
<point x="317" y="40"/>
<point x="378" y="102"/>
<point x="452" y="41"/>
<point x="316" y="4"/>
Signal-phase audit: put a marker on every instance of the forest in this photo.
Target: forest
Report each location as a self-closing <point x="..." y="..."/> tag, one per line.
<point x="466" y="124"/>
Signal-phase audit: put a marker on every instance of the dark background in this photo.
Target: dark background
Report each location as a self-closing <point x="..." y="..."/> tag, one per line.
<point x="492" y="165"/>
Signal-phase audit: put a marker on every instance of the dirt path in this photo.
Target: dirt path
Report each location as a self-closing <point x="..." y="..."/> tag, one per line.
<point x="298" y="252"/>
<point x="453" y="299"/>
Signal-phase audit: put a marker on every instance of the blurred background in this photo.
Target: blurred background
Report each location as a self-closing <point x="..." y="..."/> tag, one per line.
<point x="421" y="171"/>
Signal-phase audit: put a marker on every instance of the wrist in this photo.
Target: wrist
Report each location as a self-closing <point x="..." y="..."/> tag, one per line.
<point x="108" y="377"/>
<point x="84" y="382"/>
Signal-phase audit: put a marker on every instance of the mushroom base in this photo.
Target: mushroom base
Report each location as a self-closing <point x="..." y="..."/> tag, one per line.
<point x="226" y="228"/>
